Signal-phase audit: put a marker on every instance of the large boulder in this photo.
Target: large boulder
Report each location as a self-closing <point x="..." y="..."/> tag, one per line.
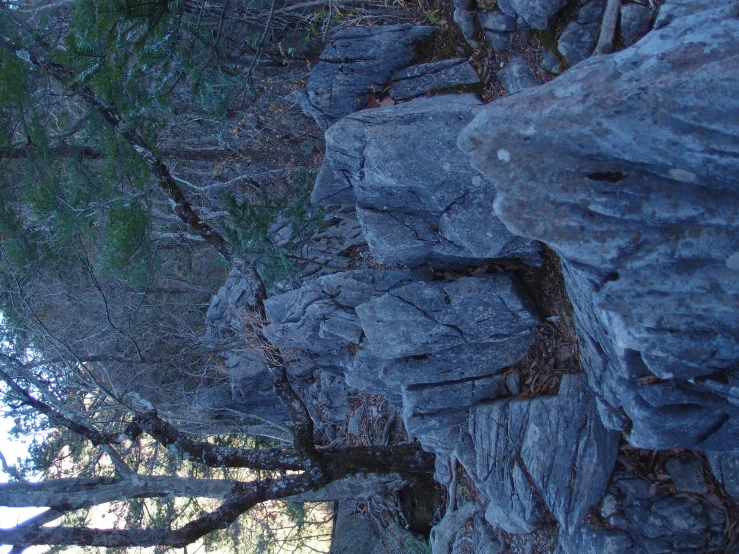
<point x="417" y="198"/>
<point x="356" y="63"/>
<point x="626" y="166"/>
<point x="547" y="454"/>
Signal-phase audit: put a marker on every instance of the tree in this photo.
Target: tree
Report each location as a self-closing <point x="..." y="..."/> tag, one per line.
<point x="47" y="370"/>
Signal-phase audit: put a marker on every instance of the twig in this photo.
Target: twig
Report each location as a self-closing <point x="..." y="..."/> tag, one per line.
<point x="258" y="53"/>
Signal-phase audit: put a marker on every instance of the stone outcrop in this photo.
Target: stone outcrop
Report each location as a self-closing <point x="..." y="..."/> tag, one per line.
<point x="545" y="454"/>
<point x="636" y="194"/>
<point x="626" y="167"/>
<point x="436" y="348"/>
<point x="638" y="519"/>
<point x="357" y="62"/>
<point x="417" y="199"/>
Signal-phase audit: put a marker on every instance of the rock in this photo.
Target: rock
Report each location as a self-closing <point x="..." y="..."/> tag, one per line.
<point x="485" y="540"/>
<point x="357" y="62"/>
<point x="506" y="6"/>
<point x="674" y="9"/>
<point x="539" y="14"/>
<point x="550" y="63"/>
<point x="547" y="453"/>
<point x="352" y="534"/>
<point x="333" y="396"/>
<point x="331" y="188"/>
<point x="634" y="22"/>
<point x="725" y="468"/>
<point x="434" y="413"/>
<point x="319" y="317"/>
<point x="640" y="520"/>
<point x="464" y="16"/>
<point x="223" y="318"/>
<point x="428" y="77"/>
<point x="459" y="362"/>
<point x="591" y="12"/>
<point x="517" y="76"/>
<point x="687" y="474"/>
<point x="578" y="41"/>
<point x="249" y="393"/>
<point x="418" y="201"/>
<point x="499" y="41"/>
<point x="429" y="318"/>
<point x="647" y="231"/>
<point x="497" y="21"/>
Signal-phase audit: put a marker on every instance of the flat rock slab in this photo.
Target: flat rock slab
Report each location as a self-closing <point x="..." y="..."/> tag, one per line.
<point x="319" y="317"/>
<point x="428" y="77"/>
<point x="418" y="200"/>
<point x="543" y="454"/>
<point x="641" y="206"/>
<point x="428" y="318"/>
<point x="357" y="62"/>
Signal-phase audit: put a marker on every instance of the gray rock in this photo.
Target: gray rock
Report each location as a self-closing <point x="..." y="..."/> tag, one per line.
<point x="674" y="9"/>
<point x="418" y="201"/>
<point x="428" y="318"/>
<point x="497" y="21"/>
<point x="499" y="41"/>
<point x="352" y="534"/>
<point x="434" y="413"/>
<point x="517" y="76"/>
<point x="687" y="474"/>
<point x="332" y="188"/>
<point x="223" y="318"/>
<point x="319" y="317"/>
<point x="591" y="12"/>
<point x="485" y="540"/>
<point x="464" y="16"/>
<point x="646" y="230"/>
<point x="547" y="453"/>
<point x="428" y="77"/>
<point x="634" y="22"/>
<point x="506" y="6"/>
<point x="643" y="521"/>
<point x="249" y="393"/>
<point x="459" y="362"/>
<point x="725" y="468"/>
<point x="358" y="61"/>
<point x="333" y="395"/>
<point x="578" y="41"/>
<point x="550" y="63"/>
<point x="539" y="14"/>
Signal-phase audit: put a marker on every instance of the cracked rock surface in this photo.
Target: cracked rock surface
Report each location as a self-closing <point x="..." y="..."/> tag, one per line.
<point x="418" y="200"/>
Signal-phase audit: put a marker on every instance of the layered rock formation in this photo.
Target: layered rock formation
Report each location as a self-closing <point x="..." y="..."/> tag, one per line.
<point x="626" y="167"/>
<point x="637" y="195"/>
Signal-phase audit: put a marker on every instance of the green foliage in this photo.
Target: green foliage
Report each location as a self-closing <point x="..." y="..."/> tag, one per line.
<point x="126" y="246"/>
<point x="255" y="221"/>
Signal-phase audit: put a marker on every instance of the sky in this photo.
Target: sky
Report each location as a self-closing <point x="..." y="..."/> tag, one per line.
<point x="9" y="517"/>
<point x="12" y="450"/>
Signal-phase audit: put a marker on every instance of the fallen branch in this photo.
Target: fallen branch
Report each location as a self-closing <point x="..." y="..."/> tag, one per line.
<point x="608" y="28"/>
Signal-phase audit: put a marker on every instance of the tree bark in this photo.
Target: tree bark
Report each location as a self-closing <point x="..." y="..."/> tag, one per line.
<point x="246" y="495"/>
<point x="73" y="494"/>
